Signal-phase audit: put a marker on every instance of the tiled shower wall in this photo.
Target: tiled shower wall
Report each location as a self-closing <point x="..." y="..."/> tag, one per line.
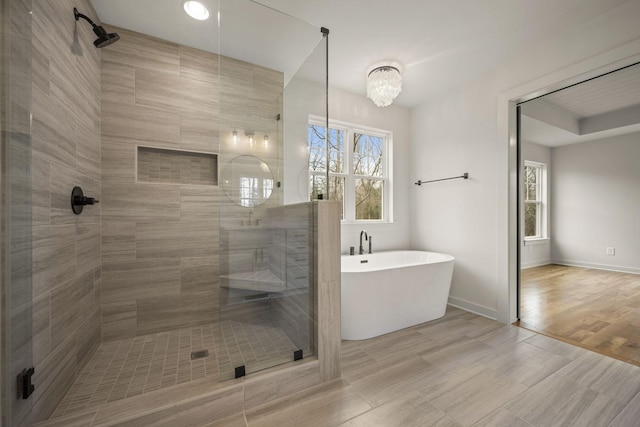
<point x="160" y="254"/>
<point x="65" y="153"/>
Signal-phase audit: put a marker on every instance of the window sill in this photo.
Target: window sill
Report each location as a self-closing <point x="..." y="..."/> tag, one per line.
<point x="365" y="222"/>
<point x="536" y="241"/>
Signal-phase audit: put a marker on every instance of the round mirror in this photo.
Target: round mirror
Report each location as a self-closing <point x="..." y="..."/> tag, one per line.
<point x="247" y="180"/>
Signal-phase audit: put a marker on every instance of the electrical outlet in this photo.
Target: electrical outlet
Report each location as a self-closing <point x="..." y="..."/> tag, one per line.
<point x="611" y="251"/>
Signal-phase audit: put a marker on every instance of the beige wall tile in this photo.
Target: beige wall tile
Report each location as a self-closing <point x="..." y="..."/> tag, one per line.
<point x="53" y="128"/>
<point x="20" y="181"/>
<point x="140" y="123"/>
<point x="118" y="241"/>
<point x="118" y="160"/>
<point x="269" y="386"/>
<point x="128" y="281"/>
<point x="199" y="131"/>
<point x="118" y="320"/>
<point x="142" y="52"/>
<point x="88" y="151"/>
<point x="198" y="65"/>
<point x="71" y="90"/>
<point x="40" y="64"/>
<point x="88" y="242"/>
<point x="329" y="330"/>
<point x="54" y="256"/>
<point x="54" y="377"/>
<point x="328" y="237"/>
<point x="21" y="266"/>
<point x="88" y="338"/>
<point x="200" y="203"/>
<point x="118" y="82"/>
<point x="41" y="327"/>
<point x="199" y="274"/>
<point x="142" y="202"/>
<point x="197" y="411"/>
<point x="176" y="239"/>
<point x="210" y="405"/>
<point x="170" y="92"/>
<point x="40" y="190"/>
<point x="327" y="267"/>
<point x="20" y="353"/>
<point x="161" y="313"/>
<point x="66" y="307"/>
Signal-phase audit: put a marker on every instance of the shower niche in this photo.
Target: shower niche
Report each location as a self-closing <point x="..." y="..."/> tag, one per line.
<point x="159" y="165"/>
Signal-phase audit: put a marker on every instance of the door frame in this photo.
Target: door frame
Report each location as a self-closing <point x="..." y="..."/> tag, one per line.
<point x="508" y="195"/>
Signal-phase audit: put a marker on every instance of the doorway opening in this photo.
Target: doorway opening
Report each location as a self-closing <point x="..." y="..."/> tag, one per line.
<point x="578" y="269"/>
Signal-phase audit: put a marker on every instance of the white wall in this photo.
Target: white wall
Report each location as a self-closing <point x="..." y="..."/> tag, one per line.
<point x="596" y="203"/>
<point x="303" y="97"/>
<point x="538" y="252"/>
<point x="458" y="131"/>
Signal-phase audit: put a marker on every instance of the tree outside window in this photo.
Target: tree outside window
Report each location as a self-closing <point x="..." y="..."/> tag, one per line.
<point x="534" y="200"/>
<point x="358" y="169"/>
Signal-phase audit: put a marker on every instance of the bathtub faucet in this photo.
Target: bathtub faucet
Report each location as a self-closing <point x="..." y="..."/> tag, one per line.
<point x="361" y="251"/>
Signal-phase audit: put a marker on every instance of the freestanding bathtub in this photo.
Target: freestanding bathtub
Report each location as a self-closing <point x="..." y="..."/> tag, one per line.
<point x="388" y="291"/>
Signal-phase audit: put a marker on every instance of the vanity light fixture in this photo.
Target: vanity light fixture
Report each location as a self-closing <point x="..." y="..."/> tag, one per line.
<point x="234" y="137"/>
<point x="266" y="141"/>
<point x="196" y="10"/>
<point x="250" y="135"/>
<point x="384" y="83"/>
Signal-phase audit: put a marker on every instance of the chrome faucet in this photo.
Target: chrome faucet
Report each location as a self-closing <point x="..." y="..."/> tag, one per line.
<point x="361" y="251"/>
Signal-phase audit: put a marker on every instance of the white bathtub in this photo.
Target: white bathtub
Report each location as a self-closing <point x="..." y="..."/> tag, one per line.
<point x="388" y="291"/>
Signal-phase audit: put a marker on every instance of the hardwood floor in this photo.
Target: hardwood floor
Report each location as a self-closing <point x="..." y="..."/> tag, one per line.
<point x="594" y="309"/>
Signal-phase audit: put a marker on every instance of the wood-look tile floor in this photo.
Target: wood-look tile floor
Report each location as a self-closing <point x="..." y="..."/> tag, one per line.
<point x="595" y="309"/>
<point x="463" y="370"/>
<point x="131" y="367"/>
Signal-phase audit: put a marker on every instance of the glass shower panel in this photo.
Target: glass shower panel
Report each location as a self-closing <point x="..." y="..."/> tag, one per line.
<point x="266" y="248"/>
<point x="15" y="212"/>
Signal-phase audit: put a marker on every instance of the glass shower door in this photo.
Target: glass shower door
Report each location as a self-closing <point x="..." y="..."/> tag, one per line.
<point x="15" y="213"/>
<point x="266" y="248"/>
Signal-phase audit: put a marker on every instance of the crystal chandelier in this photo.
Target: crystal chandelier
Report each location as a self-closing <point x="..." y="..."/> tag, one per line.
<point x="384" y="83"/>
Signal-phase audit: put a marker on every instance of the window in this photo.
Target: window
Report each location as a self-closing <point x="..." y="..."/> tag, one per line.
<point x="359" y="172"/>
<point x="535" y="203"/>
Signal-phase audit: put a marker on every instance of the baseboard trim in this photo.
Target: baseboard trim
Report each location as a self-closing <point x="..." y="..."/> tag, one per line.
<point x="524" y="266"/>
<point x="617" y="268"/>
<point x="473" y="308"/>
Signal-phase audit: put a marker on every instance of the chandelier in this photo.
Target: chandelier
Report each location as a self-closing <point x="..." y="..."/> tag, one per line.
<point x="384" y="83"/>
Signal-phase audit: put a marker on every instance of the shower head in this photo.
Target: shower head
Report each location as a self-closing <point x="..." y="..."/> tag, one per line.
<point x="104" y="38"/>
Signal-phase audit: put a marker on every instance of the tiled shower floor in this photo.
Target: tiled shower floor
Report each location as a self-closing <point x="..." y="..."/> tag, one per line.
<point x="130" y="367"/>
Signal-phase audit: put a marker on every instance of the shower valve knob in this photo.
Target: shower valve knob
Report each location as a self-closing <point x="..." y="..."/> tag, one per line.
<point x="84" y="200"/>
<point x="79" y="200"/>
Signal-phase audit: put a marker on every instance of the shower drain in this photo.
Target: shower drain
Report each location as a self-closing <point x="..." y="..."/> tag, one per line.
<point x="199" y="354"/>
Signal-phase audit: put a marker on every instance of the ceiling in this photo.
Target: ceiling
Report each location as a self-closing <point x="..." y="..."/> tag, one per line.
<point x="598" y="108"/>
<point x="440" y="44"/>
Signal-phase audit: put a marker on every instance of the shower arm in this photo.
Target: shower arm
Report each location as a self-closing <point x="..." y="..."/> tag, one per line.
<point x="79" y="15"/>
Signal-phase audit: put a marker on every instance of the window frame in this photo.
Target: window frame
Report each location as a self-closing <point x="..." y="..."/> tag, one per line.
<point x="541" y="201"/>
<point x="349" y="208"/>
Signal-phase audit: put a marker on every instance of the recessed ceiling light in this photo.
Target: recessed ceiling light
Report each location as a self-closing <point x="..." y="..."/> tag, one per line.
<point x="196" y="10"/>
